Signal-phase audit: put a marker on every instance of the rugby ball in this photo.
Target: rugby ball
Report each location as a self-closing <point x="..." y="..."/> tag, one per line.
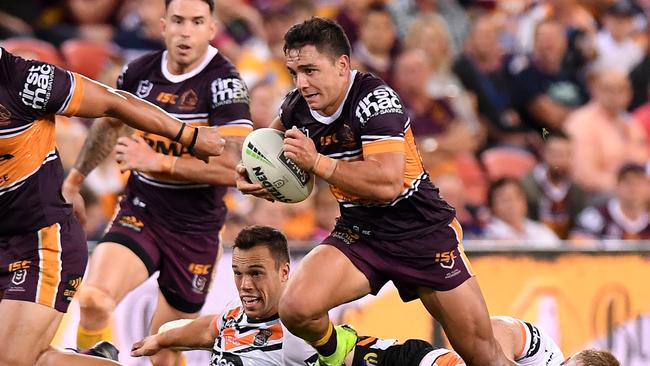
<point x="264" y="159"/>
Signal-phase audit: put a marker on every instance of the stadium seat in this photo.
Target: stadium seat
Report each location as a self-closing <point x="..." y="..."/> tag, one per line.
<point x="33" y="49"/>
<point x="473" y="177"/>
<point x="86" y="57"/>
<point x="502" y="162"/>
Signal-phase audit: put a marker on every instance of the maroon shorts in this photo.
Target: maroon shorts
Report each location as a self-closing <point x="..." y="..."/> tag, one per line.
<point x="436" y="260"/>
<point x="185" y="260"/>
<point x="46" y="266"/>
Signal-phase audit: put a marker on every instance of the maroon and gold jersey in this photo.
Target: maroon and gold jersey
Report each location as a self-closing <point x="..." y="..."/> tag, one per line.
<point x="608" y="221"/>
<point x="31" y="173"/>
<point x="212" y="94"/>
<point x="371" y="120"/>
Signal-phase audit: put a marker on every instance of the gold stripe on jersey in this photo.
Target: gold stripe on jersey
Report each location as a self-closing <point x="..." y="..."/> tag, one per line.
<point x="383" y="146"/>
<point x="27" y="150"/>
<point x="49" y="252"/>
<point x="77" y="95"/>
<point x="234" y="131"/>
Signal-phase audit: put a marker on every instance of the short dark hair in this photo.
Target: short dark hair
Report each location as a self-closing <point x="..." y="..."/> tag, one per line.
<point x="325" y="34"/>
<point x="258" y="235"/>
<point x="209" y="2"/>
<point x="630" y="168"/>
<point x="497" y="184"/>
<point x="596" y="357"/>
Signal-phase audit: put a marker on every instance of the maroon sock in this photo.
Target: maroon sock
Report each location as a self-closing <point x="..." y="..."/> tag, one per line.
<point x="328" y="347"/>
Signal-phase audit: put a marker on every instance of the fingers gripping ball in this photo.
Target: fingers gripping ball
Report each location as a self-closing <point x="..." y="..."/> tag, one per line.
<point x="263" y="157"/>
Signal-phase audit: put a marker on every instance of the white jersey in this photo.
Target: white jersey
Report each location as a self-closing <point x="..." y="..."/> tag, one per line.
<point x="247" y="342"/>
<point x="538" y="348"/>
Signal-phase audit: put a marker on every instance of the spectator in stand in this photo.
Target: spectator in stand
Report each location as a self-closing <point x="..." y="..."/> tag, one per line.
<point x="481" y="68"/>
<point x="440" y="133"/>
<point x="266" y="98"/>
<point x="141" y="30"/>
<point x="543" y="91"/>
<point x="615" y="46"/>
<point x="377" y="45"/>
<point x="349" y="17"/>
<point x="604" y="136"/>
<point x="624" y="216"/>
<point x="553" y="198"/>
<point x="88" y="19"/>
<point x="430" y="33"/>
<point x="507" y="201"/>
<point x="472" y="218"/>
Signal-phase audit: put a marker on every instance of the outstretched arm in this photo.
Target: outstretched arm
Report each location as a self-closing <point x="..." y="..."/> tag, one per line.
<point x="98" y="100"/>
<point x="199" y="333"/>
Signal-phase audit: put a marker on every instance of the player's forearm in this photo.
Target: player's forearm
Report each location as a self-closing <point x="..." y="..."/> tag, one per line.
<point x="197" y="334"/>
<point x="219" y="171"/>
<point x="99" y="143"/>
<point x="365" y="179"/>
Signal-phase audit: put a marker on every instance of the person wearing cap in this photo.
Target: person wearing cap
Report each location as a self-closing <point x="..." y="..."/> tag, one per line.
<point x="614" y="43"/>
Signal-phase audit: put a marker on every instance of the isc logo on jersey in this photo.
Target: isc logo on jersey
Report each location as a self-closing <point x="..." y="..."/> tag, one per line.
<point x="38" y="86"/>
<point x="382" y="100"/>
<point x="228" y="91"/>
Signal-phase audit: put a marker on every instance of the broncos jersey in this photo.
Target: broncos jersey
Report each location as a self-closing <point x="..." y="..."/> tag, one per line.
<point x="371" y="120"/>
<point x="212" y="94"/>
<point x="607" y="221"/>
<point x="31" y="173"/>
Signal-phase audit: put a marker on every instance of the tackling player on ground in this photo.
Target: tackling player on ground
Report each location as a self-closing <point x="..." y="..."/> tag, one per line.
<point x="171" y="215"/>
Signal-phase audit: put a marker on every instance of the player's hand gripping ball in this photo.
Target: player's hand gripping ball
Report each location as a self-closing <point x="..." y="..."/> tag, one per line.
<point x="265" y="163"/>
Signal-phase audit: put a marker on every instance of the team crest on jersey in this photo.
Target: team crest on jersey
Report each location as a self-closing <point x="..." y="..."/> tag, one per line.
<point x="188" y="101"/>
<point x="38" y="86"/>
<point x="144" y="88"/>
<point x="5" y="115"/>
<point x="382" y="100"/>
<point x="228" y="91"/>
<point x="198" y="283"/>
<point x="262" y="338"/>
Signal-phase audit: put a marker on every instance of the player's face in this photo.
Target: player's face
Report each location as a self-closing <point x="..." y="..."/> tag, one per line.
<point x="259" y="281"/>
<point x="188" y="28"/>
<point x="322" y="81"/>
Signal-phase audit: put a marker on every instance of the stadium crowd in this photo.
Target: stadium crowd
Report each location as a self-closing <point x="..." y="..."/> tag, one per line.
<point x="531" y="116"/>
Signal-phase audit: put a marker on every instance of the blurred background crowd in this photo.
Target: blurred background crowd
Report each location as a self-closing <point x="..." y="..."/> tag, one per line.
<point x="531" y="116"/>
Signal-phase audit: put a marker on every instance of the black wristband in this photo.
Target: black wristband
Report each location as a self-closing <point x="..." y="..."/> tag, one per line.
<point x="194" y="138"/>
<point x="180" y="133"/>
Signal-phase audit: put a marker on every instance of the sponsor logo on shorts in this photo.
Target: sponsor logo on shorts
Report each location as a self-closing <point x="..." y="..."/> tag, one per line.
<point x="38" y="86"/>
<point x="446" y="259"/>
<point x="228" y="91"/>
<point x="144" y="88"/>
<point x="19" y="277"/>
<point x="346" y="235"/>
<point x="535" y="340"/>
<point x="131" y="222"/>
<point x="271" y="187"/>
<point x="382" y="100"/>
<point x="71" y="286"/>
<point x="262" y="338"/>
<point x="18" y="265"/>
<point x="199" y="269"/>
<point x="298" y="172"/>
<point x="370" y="359"/>
<point x="5" y="115"/>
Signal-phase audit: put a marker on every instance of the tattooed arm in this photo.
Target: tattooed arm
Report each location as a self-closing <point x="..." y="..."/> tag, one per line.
<point x="134" y="153"/>
<point x="99" y="143"/>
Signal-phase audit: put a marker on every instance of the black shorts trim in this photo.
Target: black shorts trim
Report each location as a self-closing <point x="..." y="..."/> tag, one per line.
<point x="132" y="244"/>
<point x="179" y="303"/>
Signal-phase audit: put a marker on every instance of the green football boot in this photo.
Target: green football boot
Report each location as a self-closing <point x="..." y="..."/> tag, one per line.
<point x="346" y="339"/>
